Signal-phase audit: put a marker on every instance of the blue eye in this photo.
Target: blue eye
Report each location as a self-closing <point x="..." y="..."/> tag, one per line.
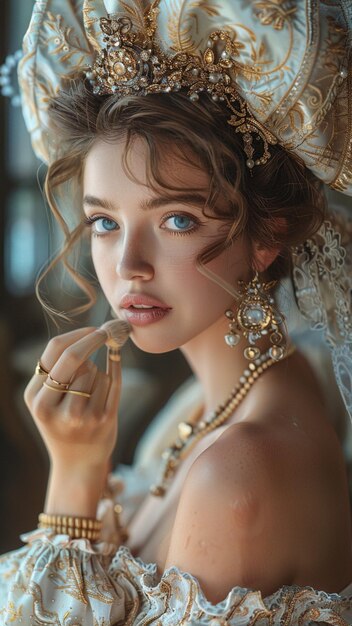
<point x="100" y="225"/>
<point x="182" y="222"/>
<point x="103" y="224"/>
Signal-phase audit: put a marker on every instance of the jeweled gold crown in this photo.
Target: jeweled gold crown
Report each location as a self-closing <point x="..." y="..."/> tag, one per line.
<point x="132" y="63"/>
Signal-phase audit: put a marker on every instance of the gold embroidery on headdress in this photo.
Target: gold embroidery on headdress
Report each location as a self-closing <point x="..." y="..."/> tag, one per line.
<point x="271" y="13"/>
<point x="132" y="63"/>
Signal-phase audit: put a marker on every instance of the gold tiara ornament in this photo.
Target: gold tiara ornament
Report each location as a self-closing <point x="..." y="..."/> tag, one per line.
<point x="289" y="60"/>
<point x="132" y="63"/>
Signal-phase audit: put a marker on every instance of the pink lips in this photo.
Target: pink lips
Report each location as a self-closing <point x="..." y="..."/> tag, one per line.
<point x="131" y="299"/>
<point x="143" y="317"/>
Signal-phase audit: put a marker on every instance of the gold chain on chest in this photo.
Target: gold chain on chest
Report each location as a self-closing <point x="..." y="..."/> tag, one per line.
<point x="190" y="434"/>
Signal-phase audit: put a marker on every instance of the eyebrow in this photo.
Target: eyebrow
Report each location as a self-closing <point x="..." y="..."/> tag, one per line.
<point x="195" y="199"/>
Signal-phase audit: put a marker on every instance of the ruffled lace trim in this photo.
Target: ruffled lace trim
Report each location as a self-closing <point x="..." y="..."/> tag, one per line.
<point x="47" y="536"/>
<point x="61" y="581"/>
<point x="178" y="598"/>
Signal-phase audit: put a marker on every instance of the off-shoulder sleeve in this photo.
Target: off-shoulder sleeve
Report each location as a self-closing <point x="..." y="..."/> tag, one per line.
<point x="56" y="581"/>
<point x="177" y="598"/>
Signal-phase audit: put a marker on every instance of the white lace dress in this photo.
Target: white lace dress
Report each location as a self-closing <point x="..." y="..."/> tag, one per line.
<point x="53" y="580"/>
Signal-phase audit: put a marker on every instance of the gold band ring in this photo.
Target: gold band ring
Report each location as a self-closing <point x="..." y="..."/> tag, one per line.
<point x="84" y="394"/>
<point x="40" y="371"/>
<point x="62" y="385"/>
<point x="114" y="354"/>
<point x="54" y="388"/>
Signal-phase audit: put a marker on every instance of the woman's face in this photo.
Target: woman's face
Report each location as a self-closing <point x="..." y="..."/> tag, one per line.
<point x="144" y="244"/>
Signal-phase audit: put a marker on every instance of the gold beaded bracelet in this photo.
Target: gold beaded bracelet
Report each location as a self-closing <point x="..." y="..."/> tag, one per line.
<point x="75" y="527"/>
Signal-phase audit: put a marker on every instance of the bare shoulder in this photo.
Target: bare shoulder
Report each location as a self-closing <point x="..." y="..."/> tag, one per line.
<point x="245" y="458"/>
<point x="234" y="518"/>
<point x="249" y="472"/>
<point x="271" y="489"/>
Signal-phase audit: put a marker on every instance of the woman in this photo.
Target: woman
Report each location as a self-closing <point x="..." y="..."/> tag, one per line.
<point x="196" y="223"/>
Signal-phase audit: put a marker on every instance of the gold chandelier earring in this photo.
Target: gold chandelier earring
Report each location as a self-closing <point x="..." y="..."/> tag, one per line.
<point x="255" y="317"/>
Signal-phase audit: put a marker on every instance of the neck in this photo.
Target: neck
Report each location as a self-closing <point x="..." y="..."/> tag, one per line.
<point x="217" y="366"/>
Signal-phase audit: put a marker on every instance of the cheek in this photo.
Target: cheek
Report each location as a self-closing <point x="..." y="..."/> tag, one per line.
<point x="203" y="300"/>
<point x="97" y="256"/>
<point x="103" y="261"/>
<point x="211" y="298"/>
<point x="230" y="266"/>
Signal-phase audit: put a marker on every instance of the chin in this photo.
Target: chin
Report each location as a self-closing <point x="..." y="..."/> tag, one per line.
<point x="153" y="347"/>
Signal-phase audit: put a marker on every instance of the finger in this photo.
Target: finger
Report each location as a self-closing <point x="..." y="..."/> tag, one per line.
<point x="97" y="403"/>
<point x="73" y="406"/>
<point x="44" y="400"/>
<point x="76" y="354"/>
<point x="58" y="344"/>
<point x="34" y="386"/>
<point x="49" y="357"/>
<point x="51" y="397"/>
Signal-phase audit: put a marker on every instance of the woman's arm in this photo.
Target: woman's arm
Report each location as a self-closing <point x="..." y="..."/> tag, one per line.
<point x="79" y="429"/>
<point x="56" y="576"/>
<point x="74" y="490"/>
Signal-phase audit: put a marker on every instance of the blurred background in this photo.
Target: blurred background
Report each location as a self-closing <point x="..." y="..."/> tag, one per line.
<point x="28" y="236"/>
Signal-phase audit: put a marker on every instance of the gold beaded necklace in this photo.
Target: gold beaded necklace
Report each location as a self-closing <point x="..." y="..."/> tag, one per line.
<point x="190" y="434"/>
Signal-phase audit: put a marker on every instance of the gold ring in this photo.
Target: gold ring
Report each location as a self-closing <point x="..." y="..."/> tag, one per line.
<point x="62" y="385"/>
<point x="40" y="371"/>
<point x="114" y="354"/>
<point x="54" y="388"/>
<point x="84" y="394"/>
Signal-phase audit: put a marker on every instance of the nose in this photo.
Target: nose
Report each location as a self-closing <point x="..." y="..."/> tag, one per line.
<point x="134" y="258"/>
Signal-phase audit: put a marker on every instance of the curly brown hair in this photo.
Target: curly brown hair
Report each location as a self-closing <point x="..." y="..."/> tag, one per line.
<point x="258" y="204"/>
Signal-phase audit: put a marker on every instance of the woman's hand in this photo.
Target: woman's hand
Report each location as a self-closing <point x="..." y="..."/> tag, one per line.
<point x="79" y="432"/>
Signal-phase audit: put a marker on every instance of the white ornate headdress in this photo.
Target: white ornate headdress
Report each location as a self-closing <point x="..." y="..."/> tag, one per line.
<point x="283" y="68"/>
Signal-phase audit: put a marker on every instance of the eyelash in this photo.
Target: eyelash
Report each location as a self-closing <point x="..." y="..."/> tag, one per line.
<point x="89" y="221"/>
